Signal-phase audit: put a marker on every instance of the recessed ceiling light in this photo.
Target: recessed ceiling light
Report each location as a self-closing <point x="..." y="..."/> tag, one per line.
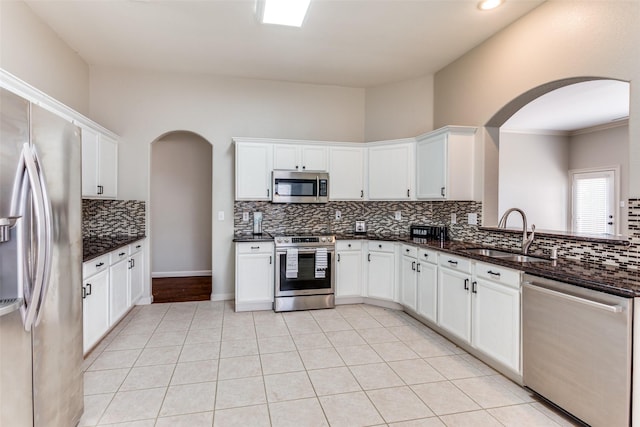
<point x="489" y="4"/>
<point x="282" y="12"/>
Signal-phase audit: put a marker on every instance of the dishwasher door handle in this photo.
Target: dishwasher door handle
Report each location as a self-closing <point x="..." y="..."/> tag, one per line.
<point x="580" y="300"/>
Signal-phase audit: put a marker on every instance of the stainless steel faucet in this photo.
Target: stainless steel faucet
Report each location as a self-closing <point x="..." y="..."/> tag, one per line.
<point x="526" y="239"/>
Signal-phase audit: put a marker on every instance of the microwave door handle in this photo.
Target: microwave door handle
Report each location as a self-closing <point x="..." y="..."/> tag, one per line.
<point x="317" y="188"/>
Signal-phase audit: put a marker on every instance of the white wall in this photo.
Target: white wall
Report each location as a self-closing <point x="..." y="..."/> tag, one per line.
<point x="557" y="40"/>
<point x="181" y="205"/>
<point x="142" y="106"/>
<point x="604" y="147"/>
<point x="399" y="110"/>
<point x="533" y="177"/>
<point x="31" y="51"/>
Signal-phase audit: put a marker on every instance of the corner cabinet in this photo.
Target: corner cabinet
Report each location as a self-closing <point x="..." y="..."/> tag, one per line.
<point x="99" y="164"/>
<point x="254" y="163"/>
<point x="255" y="271"/>
<point x="444" y="164"/>
<point x="390" y="170"/>
<point x="346" y="170"/>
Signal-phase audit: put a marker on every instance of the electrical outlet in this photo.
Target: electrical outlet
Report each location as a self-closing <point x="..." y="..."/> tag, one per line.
<point x="245" y="216"/>
<point x="472" y="219"/>
<point x="220" y="215"/>
<point x="398" y="215"/>
<point x="338" y="215"/>
<point x="454" y="219"/>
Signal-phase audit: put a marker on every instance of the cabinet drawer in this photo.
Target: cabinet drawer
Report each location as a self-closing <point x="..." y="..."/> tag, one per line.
<point x="426" y="255"/>
<point x="410" y="251"/>
<point x="119" y="255"/>
<point x="455" y="263"/>
<point x="378" y="246"/>
<point x="136" y="247"/>
<point x="348" y="245"/>
<point x="505" y="276"/>
<point x="94" y="266"/>
<point x="255" y="248"/>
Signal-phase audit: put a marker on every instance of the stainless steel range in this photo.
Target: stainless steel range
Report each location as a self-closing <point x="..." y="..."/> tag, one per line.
<point x="305" y="277"/>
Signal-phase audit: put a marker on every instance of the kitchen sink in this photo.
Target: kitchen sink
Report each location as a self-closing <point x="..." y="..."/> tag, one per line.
<point x="507" y="256"/>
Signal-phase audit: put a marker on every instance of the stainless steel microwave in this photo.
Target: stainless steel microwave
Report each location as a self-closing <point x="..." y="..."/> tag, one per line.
<point x="300" y="187"/>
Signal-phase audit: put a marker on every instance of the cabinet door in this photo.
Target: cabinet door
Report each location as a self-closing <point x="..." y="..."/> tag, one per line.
<point x="427" y="290"/>
<point x="408" y="294"/>
<point x="253" y="171"/>
<point x="381" y="275"/>
<point x="286" y="156"/>
<point x="95" y="308"/>
<point x="496" y="322"/>
<point x="346" y="171"/>
<point x="108" y="167"/>
<point x="119" y="290"/>
<point x="431" y="167"/>
<point x="454" y="302"/>
<point x="136" y="276"/>
<point x="314" y="158"/>
<point x="254" y="278"/>
<point x="349" y="273"/>
<point x="390" y="172"/>
<point x="89" y="163"/>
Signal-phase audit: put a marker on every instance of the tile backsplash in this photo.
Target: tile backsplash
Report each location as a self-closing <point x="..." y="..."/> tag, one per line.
<point x="113" y="218"/>
<point x="380" y="219"/>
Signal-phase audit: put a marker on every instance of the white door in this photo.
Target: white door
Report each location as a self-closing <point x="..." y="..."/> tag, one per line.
<point x="593" y="195"/>
<point x="95" y="308"/>
<point x="89" y="163"/>
<point x="390" y="172"/>
<point x="286" y="157"/>
<point x="253" y="171"/>
<point x="119" y="290"/>
<point x="346" y="171"/>
<point x="108" y="167"/>
<point x="381" y="275"/>
<point x="431" y="168"/>
<point x="314" y="158"/>
<point x="254" y="281"/>
<point x="454" y="302"/>
<point x="136" y="276"/>
<point x="349" y="273"/>
<point x="408" y="289"/>
<point x="427" y="290"/>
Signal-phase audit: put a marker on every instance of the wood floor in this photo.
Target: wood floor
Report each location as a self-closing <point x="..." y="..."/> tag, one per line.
<point x="181" y="289"/>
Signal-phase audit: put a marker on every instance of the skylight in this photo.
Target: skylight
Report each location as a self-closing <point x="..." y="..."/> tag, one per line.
<point x="282" y="12"/>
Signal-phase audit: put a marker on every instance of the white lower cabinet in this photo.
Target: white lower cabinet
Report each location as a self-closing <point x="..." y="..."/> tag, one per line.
<point x="381" y="270"/>
<point x="348" y="268"/>
<point x="427" y="272"/>
<point x="136" y="271"/>
<point x="254" y="275"/>
<point x="409" y="277"/>
<point x="496" y="313"/>
<point x="95" y="308"/>
<point x="454" y="295"/>
<point x="118" y="285"/>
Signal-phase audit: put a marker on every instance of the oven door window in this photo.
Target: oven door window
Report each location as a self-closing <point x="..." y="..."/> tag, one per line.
<point x="306" y="279"/>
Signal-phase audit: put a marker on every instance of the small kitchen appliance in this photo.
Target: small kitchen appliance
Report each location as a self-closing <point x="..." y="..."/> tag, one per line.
<point x="305" y="277"/>
<point x="257" y="223"/>
<point x="430" y="232"/>
<point x="361" y="227"/>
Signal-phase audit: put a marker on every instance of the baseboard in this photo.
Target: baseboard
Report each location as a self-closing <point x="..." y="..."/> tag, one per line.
<point x="144" y="300"/>
<point x="222" y="297"/>
<point x="383" y="303"/>
<point x="349" y="300"/>
<point x="163" y="274"/>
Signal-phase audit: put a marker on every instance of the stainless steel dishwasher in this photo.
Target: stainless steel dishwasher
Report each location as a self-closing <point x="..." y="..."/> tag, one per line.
<point x="576" y="349"/>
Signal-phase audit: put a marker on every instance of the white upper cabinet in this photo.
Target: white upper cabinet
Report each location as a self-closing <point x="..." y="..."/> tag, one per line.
<point x="346" y="172"/>
<point x="444" y="163"/>
<point x="300" y="158"/>
<point x="390" y="170"/>
<point x="254" y="163"/>
<point x="99" y="164"/>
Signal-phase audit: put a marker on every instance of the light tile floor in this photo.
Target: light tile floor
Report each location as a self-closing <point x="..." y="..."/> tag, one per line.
<point x="202" y="364"/>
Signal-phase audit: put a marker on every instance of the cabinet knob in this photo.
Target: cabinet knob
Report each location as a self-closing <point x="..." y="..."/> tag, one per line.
<point x="100" y="264"/>
<point x="349" y="245"/>
<point x="380" y="246"/>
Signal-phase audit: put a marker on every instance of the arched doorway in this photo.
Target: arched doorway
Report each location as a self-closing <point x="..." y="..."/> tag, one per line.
<point x="180" y="212"/>
<point x="546" y="134"/>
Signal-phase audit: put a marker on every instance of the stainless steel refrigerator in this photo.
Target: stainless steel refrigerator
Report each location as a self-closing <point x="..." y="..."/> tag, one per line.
<point x="40" y="267"/>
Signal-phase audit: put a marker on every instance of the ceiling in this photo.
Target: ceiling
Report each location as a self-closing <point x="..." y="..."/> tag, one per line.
<point x="353" y="43"/>
<point x="574" y="107"/>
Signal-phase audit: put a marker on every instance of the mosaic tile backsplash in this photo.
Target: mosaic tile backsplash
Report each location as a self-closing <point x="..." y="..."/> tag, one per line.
<point x="380" y="218"/>
<point x="113" y="218"/>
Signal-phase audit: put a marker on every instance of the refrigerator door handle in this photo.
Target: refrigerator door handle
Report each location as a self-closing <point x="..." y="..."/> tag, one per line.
<point x="31" y="179"/>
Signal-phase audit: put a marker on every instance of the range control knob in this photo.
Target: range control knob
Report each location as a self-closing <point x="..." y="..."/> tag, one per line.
<point x="323" y="239"/>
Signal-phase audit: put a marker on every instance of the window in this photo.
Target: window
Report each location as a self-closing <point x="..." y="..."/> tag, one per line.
<point x="593" y="201"/>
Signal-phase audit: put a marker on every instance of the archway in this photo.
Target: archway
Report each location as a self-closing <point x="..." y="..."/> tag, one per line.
<point x="540" y="137"/>
<point x="181" y="212"/>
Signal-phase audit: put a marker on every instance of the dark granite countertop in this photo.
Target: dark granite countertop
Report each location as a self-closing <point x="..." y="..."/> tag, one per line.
<point x="609" y="279"/>
<point x="248" y="237"/>
<point x="93" y="247"/>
